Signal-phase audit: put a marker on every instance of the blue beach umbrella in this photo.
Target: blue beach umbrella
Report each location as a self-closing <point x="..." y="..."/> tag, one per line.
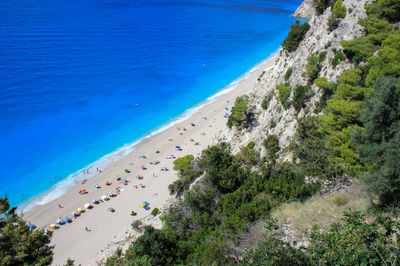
<point x="178" y="147"/>
<point x="32" y="226"/>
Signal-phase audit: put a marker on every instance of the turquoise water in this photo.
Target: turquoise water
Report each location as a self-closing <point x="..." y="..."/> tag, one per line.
<point x="80" y="79"/>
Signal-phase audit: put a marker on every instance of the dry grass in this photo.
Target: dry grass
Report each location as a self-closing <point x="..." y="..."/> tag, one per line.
<point x="322" y="210"/>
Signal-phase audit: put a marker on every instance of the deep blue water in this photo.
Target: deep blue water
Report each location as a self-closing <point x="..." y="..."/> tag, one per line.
<point x="80" y="78"/>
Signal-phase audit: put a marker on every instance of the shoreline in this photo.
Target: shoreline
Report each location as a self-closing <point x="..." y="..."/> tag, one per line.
<point x="193" y="131"/>
<point x="75" y="178"/>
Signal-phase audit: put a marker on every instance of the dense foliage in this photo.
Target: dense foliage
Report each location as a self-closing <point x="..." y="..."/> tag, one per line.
<point x="353" y="242"/>
<point x="379" y="141"/>
<point x="355" y="133"/>
<point x="186" y="175"/>
<point x="200" y="225"/>
<point x="313" y="66"/>
<point x="240" y="115"/>
<point x="321" y="5"/>
<point x="300" y="96"/>
<point x="339" y="10"/>
<point x="284" y="90"/>
<point x="296" y="34"/>
<point x="19" y="244"/>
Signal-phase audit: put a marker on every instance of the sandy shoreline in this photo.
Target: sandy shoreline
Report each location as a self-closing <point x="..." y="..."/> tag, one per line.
<point x="73" y="241"/>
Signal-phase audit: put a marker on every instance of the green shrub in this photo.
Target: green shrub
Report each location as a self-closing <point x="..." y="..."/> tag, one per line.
<point x="155" y="211"/>
<point x="284" y="91"/>
<point x="266" y="101"/>
<point x="240" y="115"/>
<point x="275" y="252"/>
<point x="322" y="56"/>
<point x="271" y="144"/>
<point x="19" y="244"/>
<point x="300" y="96"/>
<point x="321" y="5"/>
<point x="137" y="225"/>
<point x="339" y="57"/>
<point x="333" y="22"/>
<point x="183" y="162"/>
<point x="313" y="67"/>
<point x="296" y="34"/>
<point x="339" y="10"/>
<point x="378" y="144"/>
<point x="288" y="73"/>
<point x="328" y="44"/>
<point x="355" y="242"/>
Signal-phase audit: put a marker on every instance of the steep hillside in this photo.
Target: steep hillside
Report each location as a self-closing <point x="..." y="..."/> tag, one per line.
<point x="319" y="39"/>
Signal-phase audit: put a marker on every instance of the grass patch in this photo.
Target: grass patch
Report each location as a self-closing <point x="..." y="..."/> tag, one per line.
<point x="322" y="210"/>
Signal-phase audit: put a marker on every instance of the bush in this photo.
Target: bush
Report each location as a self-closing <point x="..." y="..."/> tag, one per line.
<point x="275" y="252"/>
<point x="183" y="162"/>
<point x="271" y="144"/>
<point x="300" y="96"/>
<point x="339" y="10"/>
<point x="240" y="115"/>
<point x="187" y="174"/>
<point x="321" y="5"/>
<point x="333" y="22"/>
<point x="339" y="57"/>
<point x="19" y="244"/>
<point x="313" y="67"/>
<point x="355" y="242"/>
<point x="378" y="144"/>
<point x="284" y="91"/>
<point x="288" y="73"/>
<point x="296" y="34"/>
<point x="266" y="101"/>
<point x="155" y="211"/>
<point x="137" y="225"/>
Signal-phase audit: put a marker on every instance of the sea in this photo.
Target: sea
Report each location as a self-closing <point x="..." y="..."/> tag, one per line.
<point x="83" y="81"/>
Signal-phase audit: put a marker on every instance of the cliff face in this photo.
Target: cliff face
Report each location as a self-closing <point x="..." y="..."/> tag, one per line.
<point x="275" y="119"/>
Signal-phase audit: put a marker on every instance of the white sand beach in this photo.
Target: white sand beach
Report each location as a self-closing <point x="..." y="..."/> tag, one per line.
<point x="73" y="241"/>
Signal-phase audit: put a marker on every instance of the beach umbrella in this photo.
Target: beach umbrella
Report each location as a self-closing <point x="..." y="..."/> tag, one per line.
<point x="95" y="201"/>
<point x="111" y="194"/>
<point x="124" y="180"/>
<point x="105" y="197"/>
<point x="32" y="226"/>
<point x="88" y="206"/>
<point x="143" y="205"/>
<point x="142" y="156"/>
<point x="58" y="221"/>
<point x="145" y="202"/>
<point x="107" y="183"/>
<point x="127" y="171"/>
<point x="52" y="226"/>
<point x="68" y="220"/>
<point x="80" y="210"/>
<point x="178" y="147"/>
<point x="111" y="210"/>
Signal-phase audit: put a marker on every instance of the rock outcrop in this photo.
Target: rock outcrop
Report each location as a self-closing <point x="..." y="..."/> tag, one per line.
<point x="305" y="10"/>
<point x="276" y="119"/>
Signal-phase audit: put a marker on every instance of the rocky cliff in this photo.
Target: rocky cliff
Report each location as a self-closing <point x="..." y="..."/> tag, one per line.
<point x="276" y="119"/>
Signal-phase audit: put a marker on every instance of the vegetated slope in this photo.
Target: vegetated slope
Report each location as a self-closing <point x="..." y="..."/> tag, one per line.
<point x="277" y="119"/>
<point x="327" y="110"/>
